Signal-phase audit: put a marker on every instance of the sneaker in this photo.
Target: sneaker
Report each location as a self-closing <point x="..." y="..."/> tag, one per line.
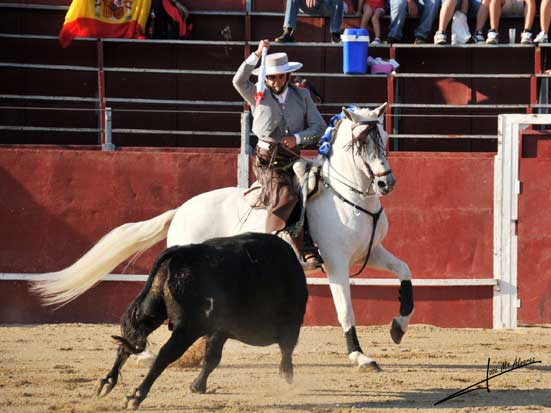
<point x="541" y="38"/>
<point x="440" y="38"/>
<point x="392" y="40"/>
<point x="377" y="41"/>
<point x="478" y="37"/>
<point x="335" y="37"/>
<point x="286" y="36"/>
<point x="420" y="40"/>
<point x="493" y="37"/>
<point x="526" y="37"/>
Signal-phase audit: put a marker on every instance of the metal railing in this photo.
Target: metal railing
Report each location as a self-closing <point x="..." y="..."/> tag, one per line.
<point x="101" y="100"/>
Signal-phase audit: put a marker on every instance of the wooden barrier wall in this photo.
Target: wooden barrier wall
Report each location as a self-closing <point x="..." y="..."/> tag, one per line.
<point x="55" y="204"/>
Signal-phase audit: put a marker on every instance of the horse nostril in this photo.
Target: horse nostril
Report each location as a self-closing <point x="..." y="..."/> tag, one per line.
<point x="381" y="184"/>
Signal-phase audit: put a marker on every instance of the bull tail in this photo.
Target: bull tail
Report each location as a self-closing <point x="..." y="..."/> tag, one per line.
<point x="63" y="286"/>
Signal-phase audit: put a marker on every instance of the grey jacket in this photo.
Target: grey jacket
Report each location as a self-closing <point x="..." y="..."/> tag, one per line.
<point x="272" y="121"/>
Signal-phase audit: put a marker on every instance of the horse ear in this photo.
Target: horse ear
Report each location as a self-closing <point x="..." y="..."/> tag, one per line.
<point x="347" y="114"/>
<point x="381" y="109"/>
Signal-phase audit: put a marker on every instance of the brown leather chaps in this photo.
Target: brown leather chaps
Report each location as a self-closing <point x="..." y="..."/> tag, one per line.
<point x="274" y="170"/>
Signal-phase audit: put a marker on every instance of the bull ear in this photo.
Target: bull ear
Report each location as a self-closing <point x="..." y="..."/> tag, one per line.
<point x="381" y="109"/>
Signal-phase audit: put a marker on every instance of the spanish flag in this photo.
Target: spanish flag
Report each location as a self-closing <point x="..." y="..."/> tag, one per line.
<point x="105" y="18"/>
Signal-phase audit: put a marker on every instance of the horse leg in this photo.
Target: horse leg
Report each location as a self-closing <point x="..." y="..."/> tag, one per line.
<point x="381" y="259"/>
<point x="176" y="345"/>
<point x="340" y="290"/>
<point x="104" y="386"/>
<point x="213" y="355"/>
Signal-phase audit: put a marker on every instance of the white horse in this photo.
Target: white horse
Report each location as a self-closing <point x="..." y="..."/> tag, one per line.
<point x="346" y="220"/>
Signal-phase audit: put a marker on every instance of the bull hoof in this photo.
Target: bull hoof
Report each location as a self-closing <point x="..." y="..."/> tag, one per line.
<point x="103" y="387"/>
<point x="396" y="332"/>
<point x="197" y="387"/>
<point x="370" y="367"/>
<point x="288" y="376"/>
<point x="131" y="404"/>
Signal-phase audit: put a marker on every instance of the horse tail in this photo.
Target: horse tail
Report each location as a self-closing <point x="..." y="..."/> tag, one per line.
<point x="63" y="286"/>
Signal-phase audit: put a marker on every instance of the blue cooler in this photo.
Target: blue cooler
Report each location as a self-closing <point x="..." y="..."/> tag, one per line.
<point x="354" y="50"/>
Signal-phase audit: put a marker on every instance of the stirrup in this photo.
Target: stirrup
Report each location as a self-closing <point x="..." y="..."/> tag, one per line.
<point x="311" y="259"/>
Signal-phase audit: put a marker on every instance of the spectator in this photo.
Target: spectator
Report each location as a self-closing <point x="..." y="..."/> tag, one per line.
<point x="399" y="9"/>
<point x="545" y="20"/>
<point x="481" y="18"/>
<point x="372" y="10"/>
<point x="472" y="8"/>
<point x="327" y="8"/>
<point x="511" y="8"/>
<point x="446" y="13"/>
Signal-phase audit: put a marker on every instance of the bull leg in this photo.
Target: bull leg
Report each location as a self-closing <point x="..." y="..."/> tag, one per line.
<point x="287" y="346"/>
<point x="176" y="345"/>
<point x="104" y="386"/>
<point x="340" y="289"/>
<point x="213" y="355"/>
<point x="383" y="260"/>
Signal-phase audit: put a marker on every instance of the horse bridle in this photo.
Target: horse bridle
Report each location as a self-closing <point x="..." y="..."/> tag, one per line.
<point x="372" y="124"/>
<point x="374" y="215"/>
<point x="356" y="140"/>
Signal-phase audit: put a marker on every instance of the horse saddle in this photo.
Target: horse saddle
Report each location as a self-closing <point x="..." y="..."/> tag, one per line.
<point x="306" y="181"/>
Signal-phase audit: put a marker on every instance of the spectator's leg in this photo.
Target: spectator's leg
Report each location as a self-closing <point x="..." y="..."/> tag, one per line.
<point x="376" y="22"/>
<point x="482" y="15"/>
<point x="290" y="22"/>
<point x="398" y="13"/>
<point x="291" y="11"/>
<point x="366" y="16"/>
<point x="495" y="14"/>
<point x="545" y="21"/>
<point x="335" y="21"/>
<point x="446" y="13"/>
<point x="428" y="15"/>
<point x="529" y="14"/>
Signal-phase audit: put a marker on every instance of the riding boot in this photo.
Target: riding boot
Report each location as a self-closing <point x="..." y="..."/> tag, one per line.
<point x="310" y="250"/>
<point x="307" y="250"/>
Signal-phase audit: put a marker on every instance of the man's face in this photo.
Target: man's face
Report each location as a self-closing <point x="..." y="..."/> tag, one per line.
<point x="277" y="82"/>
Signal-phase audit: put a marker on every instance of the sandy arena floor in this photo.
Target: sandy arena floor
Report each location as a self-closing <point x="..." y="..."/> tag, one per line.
<point x="51" y="368"/>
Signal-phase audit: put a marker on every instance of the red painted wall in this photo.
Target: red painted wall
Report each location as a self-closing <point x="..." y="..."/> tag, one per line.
<point x="534" y="227"/>
<point x="55" y="204"/>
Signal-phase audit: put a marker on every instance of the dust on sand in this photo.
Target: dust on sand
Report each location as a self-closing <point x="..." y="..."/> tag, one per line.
<point x="50" y="368"/>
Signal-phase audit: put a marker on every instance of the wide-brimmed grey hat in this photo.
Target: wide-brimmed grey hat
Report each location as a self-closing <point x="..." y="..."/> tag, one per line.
<point x="277" y="64"/>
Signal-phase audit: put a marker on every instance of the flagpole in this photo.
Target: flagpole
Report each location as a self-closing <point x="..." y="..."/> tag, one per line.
<point x="261" y="84"/>
<point x="101" y="91"/>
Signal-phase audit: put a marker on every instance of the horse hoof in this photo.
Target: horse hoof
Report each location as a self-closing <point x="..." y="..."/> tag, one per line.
<point x="370" y="367"/>
<point x="396" y="332"/>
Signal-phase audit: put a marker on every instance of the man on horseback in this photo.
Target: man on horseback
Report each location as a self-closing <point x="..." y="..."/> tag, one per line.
<point x="284" y="120"/>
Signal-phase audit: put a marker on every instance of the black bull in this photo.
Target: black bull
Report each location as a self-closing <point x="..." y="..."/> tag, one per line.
<point x="250" y="288"/>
